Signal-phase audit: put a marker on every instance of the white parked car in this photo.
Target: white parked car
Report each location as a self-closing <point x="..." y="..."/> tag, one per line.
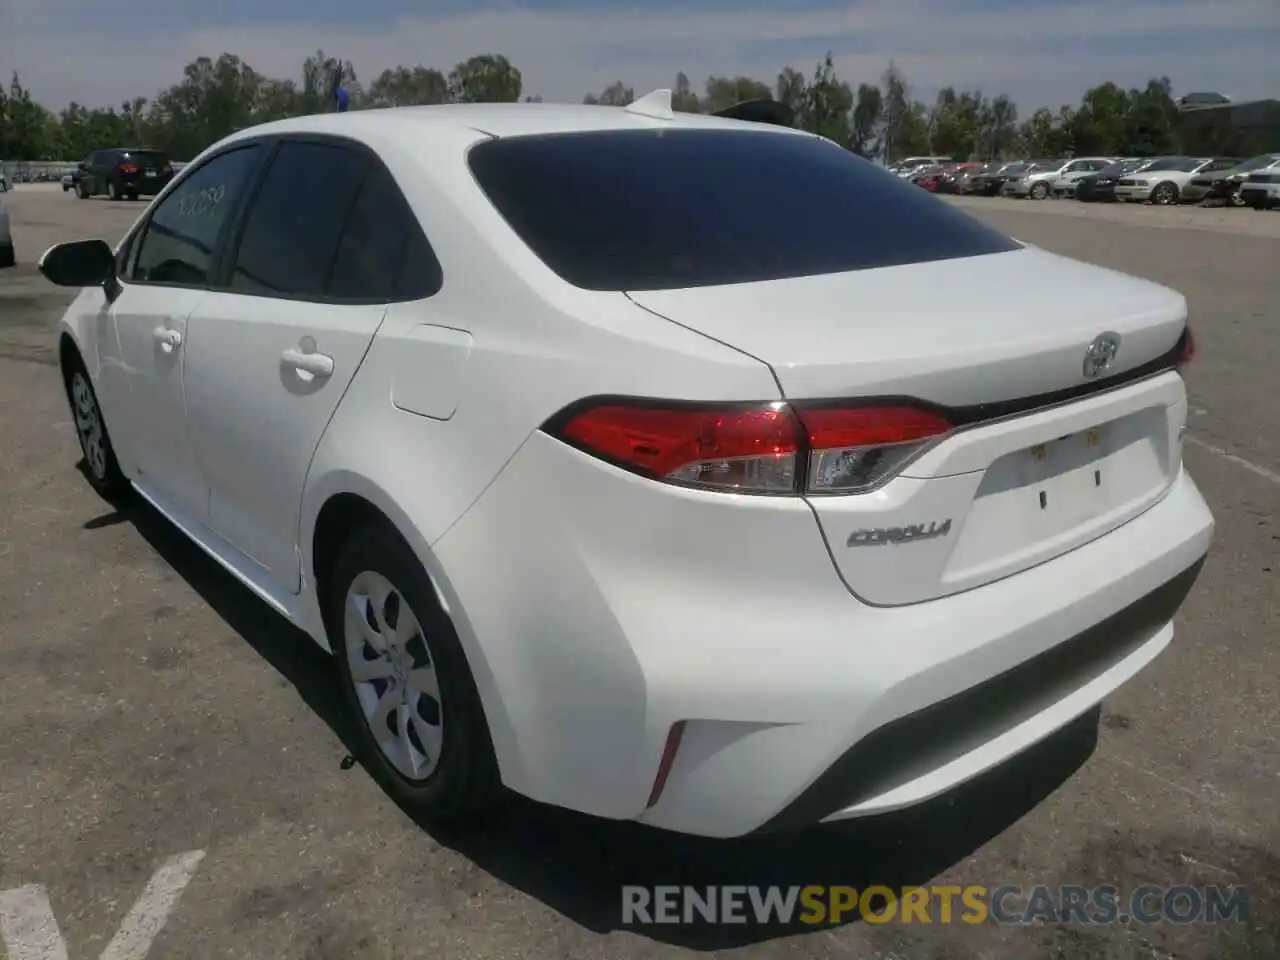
<point x="1163" y="181"/>
<point x="1038" y="182"/>
<point x="599" y="493"/>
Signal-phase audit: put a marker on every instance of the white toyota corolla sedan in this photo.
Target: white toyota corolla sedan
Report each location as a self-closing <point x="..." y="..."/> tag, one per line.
<point x="660" y="466"/>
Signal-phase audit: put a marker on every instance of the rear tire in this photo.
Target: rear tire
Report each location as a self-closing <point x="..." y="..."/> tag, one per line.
<point x="115" y="192"/>
<point x="82" y="191"/>
<point x="101" y="467"/>
<point x="133" y="194"/>
<point x="432" y="751"/>
<point x="8" y="257"/>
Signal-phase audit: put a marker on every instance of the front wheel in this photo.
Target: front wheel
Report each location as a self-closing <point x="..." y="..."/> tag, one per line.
<point x="1165" y="194"/>
<point x="101" y="467"/>
<point x="419" y="719"/>
<point x="1039" y="191"/>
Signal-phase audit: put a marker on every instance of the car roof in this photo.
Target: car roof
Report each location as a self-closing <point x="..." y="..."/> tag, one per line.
<point x="499" y="120"/>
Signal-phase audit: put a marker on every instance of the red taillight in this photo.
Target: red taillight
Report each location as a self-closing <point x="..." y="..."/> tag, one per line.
<point x="749" y="450"/>
<point x="128" y="168"/>
<point x="852" y="449"/>
<point x="764" y="449"/>
<point x="1186" y="348"/>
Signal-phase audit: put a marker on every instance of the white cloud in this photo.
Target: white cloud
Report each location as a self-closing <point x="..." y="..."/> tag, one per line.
<point x="1039" y="55"/>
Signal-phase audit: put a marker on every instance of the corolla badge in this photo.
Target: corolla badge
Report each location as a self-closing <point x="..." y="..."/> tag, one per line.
<point x="879" y="536"/>
<point x="1101" y="354"/>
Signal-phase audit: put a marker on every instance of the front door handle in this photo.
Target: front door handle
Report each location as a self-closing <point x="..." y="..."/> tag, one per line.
<point x="312" y="364"/>
<point x="169" y="339"/>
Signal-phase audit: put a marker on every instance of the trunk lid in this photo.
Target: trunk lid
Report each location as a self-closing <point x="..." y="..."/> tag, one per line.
<point x="1000" y="340"/>
<point x="954" y="332"/>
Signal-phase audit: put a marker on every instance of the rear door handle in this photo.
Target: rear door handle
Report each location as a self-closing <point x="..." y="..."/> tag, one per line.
<point x="314" y="364"/>
<point x="169" y="338"/>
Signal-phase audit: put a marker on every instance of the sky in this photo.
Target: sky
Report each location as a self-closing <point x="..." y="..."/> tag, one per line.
<point x="1040" y="52"/>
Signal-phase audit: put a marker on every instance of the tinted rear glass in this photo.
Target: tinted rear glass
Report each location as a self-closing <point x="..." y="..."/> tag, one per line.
<point x="148" y="157"/>
<point x="665" y="209"/>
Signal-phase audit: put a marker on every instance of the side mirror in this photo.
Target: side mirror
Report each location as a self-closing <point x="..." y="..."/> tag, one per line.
<point x="79" y="263"/>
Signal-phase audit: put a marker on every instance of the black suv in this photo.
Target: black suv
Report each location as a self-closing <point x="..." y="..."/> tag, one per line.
<point x="123" y="172"/>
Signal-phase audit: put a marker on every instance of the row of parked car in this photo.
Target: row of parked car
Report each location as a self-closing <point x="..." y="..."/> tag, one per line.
<point x="1254" y="182"/>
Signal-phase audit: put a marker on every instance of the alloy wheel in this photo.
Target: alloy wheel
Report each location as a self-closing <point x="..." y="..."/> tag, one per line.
<point x="394" y="675"/>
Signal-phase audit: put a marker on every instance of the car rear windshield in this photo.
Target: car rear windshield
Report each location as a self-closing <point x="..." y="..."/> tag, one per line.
<point x="666" y="209"/>
<point x="149" y="158"/>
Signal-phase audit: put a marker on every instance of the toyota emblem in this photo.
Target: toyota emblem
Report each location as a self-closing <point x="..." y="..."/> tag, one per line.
<point x="1101" y="354"/>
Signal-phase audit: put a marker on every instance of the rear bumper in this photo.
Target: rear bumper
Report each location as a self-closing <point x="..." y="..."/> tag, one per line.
<point x="142" y="185"/>
<point x="603" y="609"/>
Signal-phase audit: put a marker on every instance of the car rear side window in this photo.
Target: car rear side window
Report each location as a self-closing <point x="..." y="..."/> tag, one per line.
<point x="179" y="241"/>
<point x="291" y="233"/>
<point x="383" y="253"/>
<point x="665" y="209"/>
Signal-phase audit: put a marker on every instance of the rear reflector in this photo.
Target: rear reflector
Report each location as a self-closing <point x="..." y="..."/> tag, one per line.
<point x="769" y="449"/>
<point x="128" y="168"/>
<point x="669" y="751"/>
<point x="1186" y="348"/>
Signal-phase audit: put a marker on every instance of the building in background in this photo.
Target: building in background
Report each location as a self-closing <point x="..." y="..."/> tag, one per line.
<point x="1211" y="123"/>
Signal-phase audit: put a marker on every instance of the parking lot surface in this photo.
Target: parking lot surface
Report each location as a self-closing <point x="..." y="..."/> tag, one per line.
<point x="152" y="709"/>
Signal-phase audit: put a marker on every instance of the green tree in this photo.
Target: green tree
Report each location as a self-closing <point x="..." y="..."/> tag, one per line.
<point x="1100" y="123"/>
<point x="867" y="111"/>
<point x="724" y="92"/>
<point x="24" y="126"/>
<point x="1150" y="125"/>
<point x="487" y="78"/>
<point x="827" y="106"/>
<point x="401" y="86"/>
<point x="791" y="89"/>
<point x="683" y="98"/>
<point x="617" y="94"/>
<point x="997" y="127"/>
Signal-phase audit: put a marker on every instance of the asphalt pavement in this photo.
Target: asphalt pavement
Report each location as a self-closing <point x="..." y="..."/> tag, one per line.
<point x="171" y="765"/>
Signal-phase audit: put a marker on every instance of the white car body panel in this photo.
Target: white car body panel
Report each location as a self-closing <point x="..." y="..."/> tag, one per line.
<point x="597" y="607"/>
<point x="1145" y="181"/>
<point x="154" y="431"/>
<point x="247" y="389"/>
<point x="892" y="331"/>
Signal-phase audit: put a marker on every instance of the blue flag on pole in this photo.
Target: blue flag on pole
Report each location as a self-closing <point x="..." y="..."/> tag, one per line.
<point x="344" y="101"/>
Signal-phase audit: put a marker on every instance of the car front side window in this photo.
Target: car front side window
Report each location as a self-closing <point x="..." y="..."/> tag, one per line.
<point x="179" y="243"/>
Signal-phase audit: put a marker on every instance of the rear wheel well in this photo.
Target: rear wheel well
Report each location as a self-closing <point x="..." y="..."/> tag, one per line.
<point x="341" y="515"/>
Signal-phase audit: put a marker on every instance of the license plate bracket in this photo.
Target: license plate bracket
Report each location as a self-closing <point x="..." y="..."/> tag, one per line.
<point x="1068" y="473"/>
